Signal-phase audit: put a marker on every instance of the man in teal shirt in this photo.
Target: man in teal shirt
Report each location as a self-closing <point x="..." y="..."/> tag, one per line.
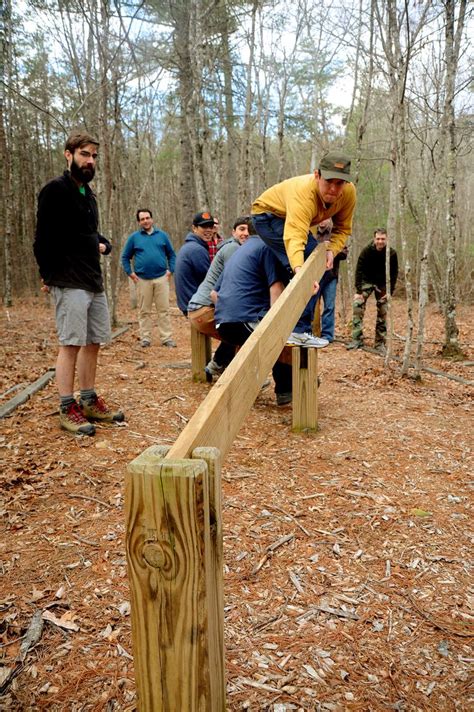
<point x="153" y="264"/>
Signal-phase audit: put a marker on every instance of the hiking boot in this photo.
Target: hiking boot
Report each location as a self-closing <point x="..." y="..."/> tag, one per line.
<point x="283" y="398"/>
<point x="214" y="369"/>
<point x="72" y="418"/>
<point x="170" y="344"/>
<point x="97" y="409"/>
<point x="354" y="344"/>
<point x="307" y="340"/>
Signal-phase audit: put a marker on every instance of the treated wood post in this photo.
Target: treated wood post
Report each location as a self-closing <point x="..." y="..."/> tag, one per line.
<point x="201" y="352"/>
<point x="172" y="572"/>
<point x="218" y="418"/>
<point x="215" y="585"/>
<point x="316" y="326"/>
<point x="305" y="389"/>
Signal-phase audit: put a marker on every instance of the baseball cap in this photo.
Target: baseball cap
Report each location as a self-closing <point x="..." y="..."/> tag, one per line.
<point x="201" y="219"/>
<point x="336" y="165"/>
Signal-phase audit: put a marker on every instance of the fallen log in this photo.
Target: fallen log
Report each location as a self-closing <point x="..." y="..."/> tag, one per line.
<point x="12" y="404"/>
<point x="26" y="393"/>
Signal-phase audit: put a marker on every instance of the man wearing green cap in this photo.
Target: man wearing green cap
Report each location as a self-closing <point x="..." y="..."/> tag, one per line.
<point x="284" y="214"/>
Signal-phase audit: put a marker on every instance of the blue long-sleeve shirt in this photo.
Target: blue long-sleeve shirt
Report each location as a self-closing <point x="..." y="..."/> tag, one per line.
<point x="152" y="254"/>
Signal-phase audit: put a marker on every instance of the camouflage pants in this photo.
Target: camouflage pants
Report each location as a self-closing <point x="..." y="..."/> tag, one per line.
<point x="358" y="311"/>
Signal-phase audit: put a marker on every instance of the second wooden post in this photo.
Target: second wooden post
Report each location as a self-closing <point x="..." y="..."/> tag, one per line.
<point x="305" y="389"/>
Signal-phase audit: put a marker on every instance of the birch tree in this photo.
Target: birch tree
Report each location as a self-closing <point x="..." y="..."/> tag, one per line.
<point x="6" y="198"/>
<point x="397" y="26"/>
<point x="453" y="36"/>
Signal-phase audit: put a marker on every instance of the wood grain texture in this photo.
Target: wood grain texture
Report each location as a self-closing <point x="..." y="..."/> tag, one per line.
<point x="215" y="584"/>
<point x="218" y="419"/>
<point x="201" y="353"/>
<point x="168" y="546"/>
<point x="305" y="389"/>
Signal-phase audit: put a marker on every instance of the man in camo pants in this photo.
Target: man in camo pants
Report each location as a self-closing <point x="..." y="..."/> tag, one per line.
<point x="370" y="277"/>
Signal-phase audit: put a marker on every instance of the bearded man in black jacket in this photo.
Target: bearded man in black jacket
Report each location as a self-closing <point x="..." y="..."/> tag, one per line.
<point x="370" y="277"/>
<point x="67" y="248"/>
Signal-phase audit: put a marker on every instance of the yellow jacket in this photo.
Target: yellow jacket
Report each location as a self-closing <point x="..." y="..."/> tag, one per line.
<point x="297" y="200"/>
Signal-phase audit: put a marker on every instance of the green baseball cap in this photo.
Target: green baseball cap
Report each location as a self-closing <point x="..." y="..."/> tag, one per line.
<point x="336" y="165"/>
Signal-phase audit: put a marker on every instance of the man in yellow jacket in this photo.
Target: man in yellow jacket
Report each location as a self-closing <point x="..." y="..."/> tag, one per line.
<point x="284" y="214"/>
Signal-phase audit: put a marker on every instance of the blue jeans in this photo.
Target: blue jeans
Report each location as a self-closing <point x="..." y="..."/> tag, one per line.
<point x="327" y="289"/>
<point x="270" y="228"/>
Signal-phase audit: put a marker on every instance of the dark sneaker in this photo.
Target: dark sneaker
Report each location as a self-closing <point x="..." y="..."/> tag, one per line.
<point x="99" y="410"/>
<point x="145" y="343"/>
<point x="72" y="418"/>
<point x="283" y="398"/>
<point x="170" y="344"/>
<point x="354" y="344"/>
<point x="214" y="369"/>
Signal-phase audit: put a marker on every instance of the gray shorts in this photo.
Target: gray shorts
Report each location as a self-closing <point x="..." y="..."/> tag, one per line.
<point x="81" y="317"/>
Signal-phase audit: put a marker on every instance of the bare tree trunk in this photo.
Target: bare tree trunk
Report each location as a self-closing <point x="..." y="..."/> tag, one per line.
<point x="423" y="296"/>
<point x="6" y="199"/>
<point x="230" y="128"/>
<point x="5" y="212"/>
<point x="403" y="189"/>
<point x="102" y="35"/>
<point x="244" y="177"/>
<point x="180" y="14"/>
<point x="287" y="67"/>
<point x="368" y="81"/>
<point x="393" y="27"/>
<point x="453" y="40"/>
<point x="392" y="226"/>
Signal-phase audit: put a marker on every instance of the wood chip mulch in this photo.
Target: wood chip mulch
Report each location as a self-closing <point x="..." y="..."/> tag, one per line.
<point x="348" y="579"/>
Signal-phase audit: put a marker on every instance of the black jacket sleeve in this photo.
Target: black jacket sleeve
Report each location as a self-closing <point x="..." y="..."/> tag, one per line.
<point x="103" y="241"/>
<point x="360" y="275"/>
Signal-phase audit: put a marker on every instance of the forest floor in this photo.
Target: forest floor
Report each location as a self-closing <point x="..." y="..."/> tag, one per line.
<point x="369" y="604"/>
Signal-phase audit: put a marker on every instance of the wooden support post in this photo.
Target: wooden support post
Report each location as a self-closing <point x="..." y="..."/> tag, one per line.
<point x="305" y="389"/>
<point x="217" y="420"/>
<point x="215" y="583"/>
<point x="316" y="325"/>
<point x="201" y="352"/>
<point x="174" y="553"/>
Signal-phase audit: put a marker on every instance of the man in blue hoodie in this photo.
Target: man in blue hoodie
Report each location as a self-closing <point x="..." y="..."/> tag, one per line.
<point x="153" y="264"/>
<point x="193" y="259"/>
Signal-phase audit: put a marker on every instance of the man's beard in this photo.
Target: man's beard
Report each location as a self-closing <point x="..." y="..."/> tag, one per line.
<point x="82" y="175"/>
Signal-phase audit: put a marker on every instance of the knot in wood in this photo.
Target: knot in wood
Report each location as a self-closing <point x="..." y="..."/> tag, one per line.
<point x="154" y="555"/>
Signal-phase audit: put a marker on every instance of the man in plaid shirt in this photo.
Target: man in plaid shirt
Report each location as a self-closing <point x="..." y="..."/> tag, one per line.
<point x="214" y="243"/>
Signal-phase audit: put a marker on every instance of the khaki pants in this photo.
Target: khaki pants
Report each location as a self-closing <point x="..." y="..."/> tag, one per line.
<point x="157" y="292"/>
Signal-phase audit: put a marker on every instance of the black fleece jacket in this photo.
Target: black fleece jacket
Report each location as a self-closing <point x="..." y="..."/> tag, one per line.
<point x="66" y="242"/>
<point x="371" y="268"/>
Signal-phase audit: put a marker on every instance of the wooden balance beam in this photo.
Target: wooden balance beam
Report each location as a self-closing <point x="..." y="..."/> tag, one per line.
<point x="304" y="364"/>
<point x="174" y="523"/>
<point x="266" y="345"/>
